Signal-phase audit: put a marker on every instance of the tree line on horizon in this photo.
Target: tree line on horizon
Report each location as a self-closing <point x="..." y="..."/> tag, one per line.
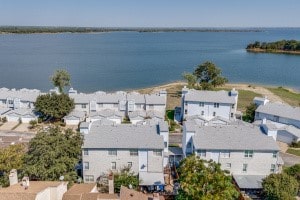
<point x="283" y="45"/>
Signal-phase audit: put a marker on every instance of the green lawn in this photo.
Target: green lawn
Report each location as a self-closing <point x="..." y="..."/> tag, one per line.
<point x="294" y="151"/>
<point x="288" y="96"/>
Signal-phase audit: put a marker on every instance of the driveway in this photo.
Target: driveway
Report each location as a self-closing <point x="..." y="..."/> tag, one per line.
<point x="8" y="126"/>
<point x="289" y="160"/>
<point x="23" y="128"/>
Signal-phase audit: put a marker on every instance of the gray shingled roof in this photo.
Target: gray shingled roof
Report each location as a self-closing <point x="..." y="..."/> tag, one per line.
<point x="21" y="112"/>
<point x="155" y="99"/>
<point x="281" y="110"/>
<point x="249" y="181"/>
<point x="22" y="94"/>
<point x="4" y="110"/>
<point x="106" y="113"/>
<point x="163" y="126"/>
<point x="232" y="138"/>
<point x="75" y="114"/>
<point x="209" y="96"/>
<point x="137" y="114"/>
<point x="123" y="137"/>
<point x="138" y="98"/>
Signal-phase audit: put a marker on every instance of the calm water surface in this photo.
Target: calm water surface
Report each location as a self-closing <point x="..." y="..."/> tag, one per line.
<point x="126" y="60"/>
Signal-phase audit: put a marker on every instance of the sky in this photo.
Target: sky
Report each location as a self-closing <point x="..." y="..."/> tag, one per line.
<point x="151" y="13"/>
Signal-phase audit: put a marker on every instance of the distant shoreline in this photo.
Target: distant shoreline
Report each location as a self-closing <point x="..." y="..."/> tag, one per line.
<point x="33" y="30"/>
<point x="258" y="50"/>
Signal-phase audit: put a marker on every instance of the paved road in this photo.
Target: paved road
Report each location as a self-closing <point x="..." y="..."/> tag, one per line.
<point x="289" y="159"/>
<point x="175" y="138"/>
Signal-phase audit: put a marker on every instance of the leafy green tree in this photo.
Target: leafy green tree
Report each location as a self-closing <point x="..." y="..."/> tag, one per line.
<point x="294" y="171"/>
<point x="54" y="105"/>
<point x="61" y="79"/>
<point x="209" y="76"/>
<point x="53" y="153"/>
<point x="200" y="179"/>
<point x="250" y="113"/>
<point x="190" y="78"/>
<point x="11" y="157"/>
<point x="280" y="186"/>
<point x="125" y="177"/>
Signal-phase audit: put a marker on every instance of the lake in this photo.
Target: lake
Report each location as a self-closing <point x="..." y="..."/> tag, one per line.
<point x="129" y="60"/>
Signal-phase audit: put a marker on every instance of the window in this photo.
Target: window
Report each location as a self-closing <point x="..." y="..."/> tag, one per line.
<point x="166" y="144"/>
<point x="157" y="152"/>
<point x="112" y="152"/>
<point x="276" y="118"/>
<point x="134" y="152"/>
<point x="214" y="114"/>
<point x="151" y="106"/>
<point x="225" y="154"/>
<point x="231" y="115"/>
<point x="232" y="106"/>
<point x="186" y="103"/>
<point x="272" y="170"/>
<point x="83" y="105"/>
<point x="129" y="164"/>
<point x="113" y="165"/>
<point x="275" y="154"/>
<point x="88" y="178"/>
<point x="248" y="154"/>
<point x="202" y="112"/>
<point x="201" y="104"/>
<point x="201" y="153"/>
<point x="245" y="166"/>
<point x="86" y="165"/>
<point x="228" y="165"/>
<point x="85" y="152"/>
<point x="216" y="105"/>
<point x="10" y="102"/>
<point x="185" y="111"/>
<point x="189" y="145"/>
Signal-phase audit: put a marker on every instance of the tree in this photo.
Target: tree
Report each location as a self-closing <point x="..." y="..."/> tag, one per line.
<point x="53" y="153"/>
<point x="250" y="113"/>
<point x="190" y="78"/>
<point x="54" y="105"/>
<point x="11" y="157"/>
<point x="61" y="79"/>
<point x="200" y="179"/>
<point x="294" y="171"/>
<point x="125" y="177"/>
<point x="280" y="186"/>
<point x="209" y="75"/>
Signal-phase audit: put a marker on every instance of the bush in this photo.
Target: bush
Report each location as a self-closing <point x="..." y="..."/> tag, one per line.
<point x="33" y="124"/>
<point x="295" y="144"/>
<point x="4" y="119"/>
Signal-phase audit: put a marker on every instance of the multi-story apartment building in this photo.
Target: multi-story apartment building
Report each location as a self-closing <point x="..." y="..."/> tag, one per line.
<point x="243" y="150"/>
<point x="281" y="121"/>
<point x="208" y="104"/>
<point x="109" y="148"/>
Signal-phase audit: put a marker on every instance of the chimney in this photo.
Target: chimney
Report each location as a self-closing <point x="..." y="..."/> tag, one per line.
<point x="13" y="177"/>
<point x="25" y="182"/>
<point x="111" y="184"/>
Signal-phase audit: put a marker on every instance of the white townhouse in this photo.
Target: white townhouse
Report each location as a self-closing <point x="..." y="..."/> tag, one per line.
<point x="280" y="121"/>
<point x="120" y="104"/>
<point x="209" y="104"/>
<point x="280" y="113"/>
<point x="18" y="105"/>
<point x="243" y="150"/>
<point x="109" y="148"/>
<point x="14" y="99"/>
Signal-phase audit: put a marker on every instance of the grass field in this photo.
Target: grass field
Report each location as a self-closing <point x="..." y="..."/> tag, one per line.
<point x="288" y="96"/>
<point x="294" y="151"/>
